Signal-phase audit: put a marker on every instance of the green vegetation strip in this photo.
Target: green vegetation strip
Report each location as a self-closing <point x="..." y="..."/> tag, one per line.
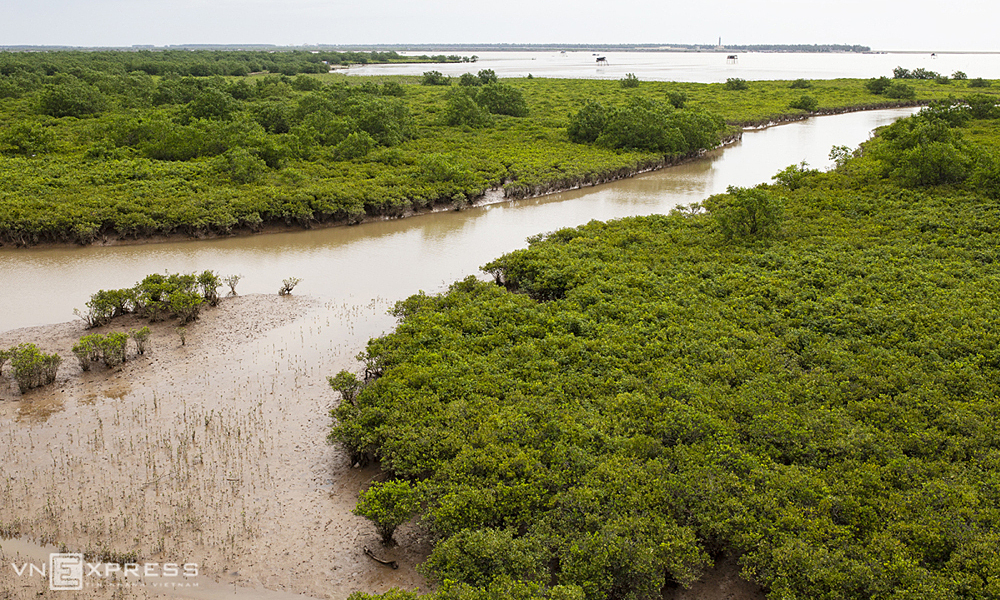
<point x="97" y="146"/>
<point x="802" y="375"/>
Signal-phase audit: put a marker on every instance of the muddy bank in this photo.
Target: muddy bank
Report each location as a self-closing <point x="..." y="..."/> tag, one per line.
<point x="213" y="452"/>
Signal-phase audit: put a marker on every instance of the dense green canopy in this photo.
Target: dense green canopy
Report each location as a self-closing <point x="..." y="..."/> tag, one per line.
<point x="818" y="398"/>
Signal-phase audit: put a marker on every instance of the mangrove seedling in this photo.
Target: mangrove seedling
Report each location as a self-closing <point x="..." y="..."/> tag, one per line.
<point x="231" y="281"/>
<point x="287" y="285"/>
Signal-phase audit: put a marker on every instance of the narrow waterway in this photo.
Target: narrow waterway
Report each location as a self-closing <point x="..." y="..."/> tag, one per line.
<point x="394" y="259"/>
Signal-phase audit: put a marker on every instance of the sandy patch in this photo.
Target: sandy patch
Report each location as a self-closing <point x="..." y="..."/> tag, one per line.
<point x="213" y="452"/>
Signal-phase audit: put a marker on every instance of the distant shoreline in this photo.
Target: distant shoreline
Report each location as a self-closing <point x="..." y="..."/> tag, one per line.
<point x="665" y="48"/>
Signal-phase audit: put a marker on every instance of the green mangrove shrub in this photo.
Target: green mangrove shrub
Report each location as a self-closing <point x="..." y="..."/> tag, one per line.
<point x="462" y="110"/>
<point x="141" y="339"/>
<point x="31" y="367"/>
<point x="736" y="84"/>
<point x="743" y="213"/>
<point x="435" y="78"/>
<point x="210" y="283"/>
<point x="388" y="505"/>
<point x="110" y="348"/>
<point x="629" y="81"/>
<point x="502" y="99"/>
<point x="588" y="123"/>
<point x="156" y="297"/>
<point x="806" y="102"/>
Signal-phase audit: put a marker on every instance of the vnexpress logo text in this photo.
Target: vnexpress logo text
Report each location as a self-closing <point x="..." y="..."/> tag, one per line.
<point x="69" y="571"/>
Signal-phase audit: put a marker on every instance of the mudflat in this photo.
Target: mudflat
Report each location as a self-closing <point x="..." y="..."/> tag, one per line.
<point x="212" y="452"/>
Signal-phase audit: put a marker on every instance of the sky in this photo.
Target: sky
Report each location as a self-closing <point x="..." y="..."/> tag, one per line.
<point x="940" y="25"/>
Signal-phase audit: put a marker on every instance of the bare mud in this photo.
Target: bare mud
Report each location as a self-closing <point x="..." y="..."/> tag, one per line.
<point x="212" y="452"/>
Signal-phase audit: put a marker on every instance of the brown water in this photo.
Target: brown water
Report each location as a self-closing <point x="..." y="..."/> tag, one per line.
<point x="395" y="259"/>
<point x="214" y="451"/>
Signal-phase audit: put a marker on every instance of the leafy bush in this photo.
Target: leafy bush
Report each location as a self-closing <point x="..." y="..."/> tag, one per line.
<point x="393" y="88"/>
<point x="794" y="177"/>
<point x="27" y="139"/>
<point x="800" y="84"/>
<point x="629" y="81"/>
<point x="879" y="85"/>
<point x="210" y="283"/>
<point x="469" y="80"/>
<point x="141" y="338"/>
<point x="677" y="99"/>
<point x="386" y="120"/>
<point x="478" y="557"/>
<point x="979" y="82"/>
<point x="922" y="152"/>
<point x="242" y="166"/>
<point x="807" y="103"/>
<point x="982" y="106"/>
<point x="388" y="505"/>
<point x="87" y="350"/>
<point x="113" y="348"/>
<point x="900" y="91"/>
<point x="735" y="84"/>
<point x="185" y="305"/>
<point x="464" y="111"/>
<point x="487" y="76"/>
<point x="347" y="384"/>
<point x="354" y="146"/>
<point x="156" y="297"/>
<point x="588" y="123"/>
<point x="744" y="213"/>
<point x="435" y="78"/>
<point x="31" y="367"/>
<point x="71" y="97"/>
<point x="212" y="103"/>
<point x="502" y="99"/>
<point x="641" y="124"/>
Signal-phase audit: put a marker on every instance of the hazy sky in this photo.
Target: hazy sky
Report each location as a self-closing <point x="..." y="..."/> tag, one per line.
<point x="881" y="24"/>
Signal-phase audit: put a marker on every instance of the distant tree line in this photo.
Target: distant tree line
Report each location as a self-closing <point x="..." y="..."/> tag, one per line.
<point x="196" y="63"/>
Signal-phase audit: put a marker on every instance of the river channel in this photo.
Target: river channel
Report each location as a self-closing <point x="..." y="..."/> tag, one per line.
<point x="394" y="259"/>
